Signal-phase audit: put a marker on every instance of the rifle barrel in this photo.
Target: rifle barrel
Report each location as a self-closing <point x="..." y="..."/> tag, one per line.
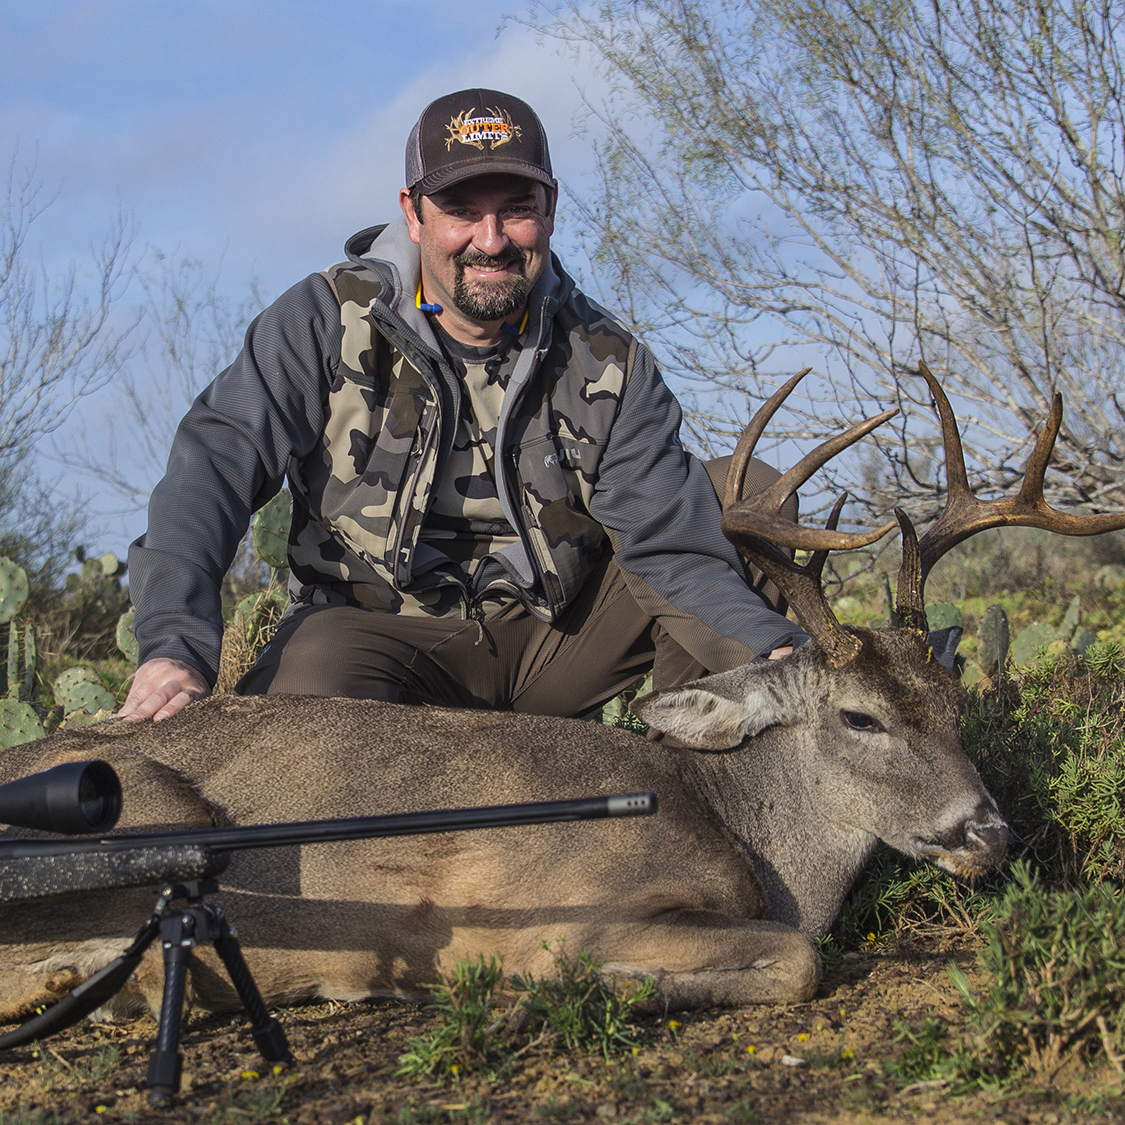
<point x="237" y="837"/>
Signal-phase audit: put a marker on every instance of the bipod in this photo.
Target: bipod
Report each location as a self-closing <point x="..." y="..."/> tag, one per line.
<point x="180" y="932"/>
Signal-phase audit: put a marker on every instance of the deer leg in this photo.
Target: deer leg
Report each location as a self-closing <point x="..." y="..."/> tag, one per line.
<point x="701" y="959"/>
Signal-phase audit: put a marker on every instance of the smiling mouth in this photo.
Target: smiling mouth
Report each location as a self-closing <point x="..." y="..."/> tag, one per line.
<point x="482" y="265"/>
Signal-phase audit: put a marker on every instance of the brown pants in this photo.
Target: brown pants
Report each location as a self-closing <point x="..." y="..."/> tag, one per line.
<point x="510" y="660"/>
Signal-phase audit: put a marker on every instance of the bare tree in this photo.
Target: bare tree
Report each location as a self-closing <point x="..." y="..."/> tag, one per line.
<point x="863" y="185"/>
<point x="189" y="332"/>
<point x="58" y="338"/>
<point x="61" y="339"/>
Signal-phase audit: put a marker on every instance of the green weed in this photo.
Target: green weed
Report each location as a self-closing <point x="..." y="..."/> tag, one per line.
<point x="577" y="1010"/>
<point x="30" y="1117"/>
<point x="1054" y="966"/>
<point x="659" y="1111"/>
<point x="466" y="1038"/>
<point x="55" y="1070"/>
<point x="580" y="1010"/>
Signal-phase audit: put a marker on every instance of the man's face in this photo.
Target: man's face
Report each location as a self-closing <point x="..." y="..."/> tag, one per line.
<point x="484" y="243"/>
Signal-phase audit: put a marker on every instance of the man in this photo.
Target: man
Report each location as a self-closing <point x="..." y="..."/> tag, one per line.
<point x="491" y="505"/>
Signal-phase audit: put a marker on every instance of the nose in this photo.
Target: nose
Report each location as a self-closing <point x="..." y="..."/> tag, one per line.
<point x="489" y="237"/>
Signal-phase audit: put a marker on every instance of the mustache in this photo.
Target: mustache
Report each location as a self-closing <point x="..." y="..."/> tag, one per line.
<point x="475" y="258"/>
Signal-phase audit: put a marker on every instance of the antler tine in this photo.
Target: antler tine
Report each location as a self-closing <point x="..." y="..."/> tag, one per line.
<point x="964" y="514"/>
<point x="910" y="605"/>
<point x="736" y="474"/>
<point x="755" y="526"/>
<point x="760" y="517"/>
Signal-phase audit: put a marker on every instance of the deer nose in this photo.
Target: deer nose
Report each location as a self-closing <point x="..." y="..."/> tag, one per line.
<point x="987" y="835"/>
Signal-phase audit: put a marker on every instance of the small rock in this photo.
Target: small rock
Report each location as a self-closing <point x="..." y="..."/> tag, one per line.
<point x="792" y="1060"/>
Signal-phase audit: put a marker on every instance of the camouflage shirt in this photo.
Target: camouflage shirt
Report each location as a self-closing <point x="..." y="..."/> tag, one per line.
<point x="342" y="387"/>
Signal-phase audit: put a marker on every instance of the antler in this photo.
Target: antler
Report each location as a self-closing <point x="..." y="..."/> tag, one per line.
<point x="755" y="526"/>
<point x="965" y="515"/>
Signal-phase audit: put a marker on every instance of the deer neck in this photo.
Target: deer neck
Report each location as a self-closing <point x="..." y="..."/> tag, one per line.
<point x="806" y="863"/>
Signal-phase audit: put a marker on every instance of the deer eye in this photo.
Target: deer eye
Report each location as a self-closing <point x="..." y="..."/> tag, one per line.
<point x="857" y="720"/>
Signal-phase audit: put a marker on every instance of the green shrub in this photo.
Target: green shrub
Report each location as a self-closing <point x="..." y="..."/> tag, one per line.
<point x="579" y="1009"/>
<point x="465" y="1039"/>
<point x="1055" y="965"/>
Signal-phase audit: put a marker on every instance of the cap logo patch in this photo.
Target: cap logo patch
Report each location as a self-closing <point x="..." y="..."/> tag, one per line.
<point x="495" y="126"/>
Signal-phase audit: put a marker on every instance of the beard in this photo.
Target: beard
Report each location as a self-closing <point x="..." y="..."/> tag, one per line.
<point x="490" y="300"/>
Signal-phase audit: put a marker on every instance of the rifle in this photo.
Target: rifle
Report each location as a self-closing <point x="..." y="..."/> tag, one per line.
<point x="85" y="797"/>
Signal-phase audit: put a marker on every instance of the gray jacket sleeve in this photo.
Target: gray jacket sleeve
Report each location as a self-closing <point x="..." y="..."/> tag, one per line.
<point x="229" y="457"/>
<point x="663" y="517"/>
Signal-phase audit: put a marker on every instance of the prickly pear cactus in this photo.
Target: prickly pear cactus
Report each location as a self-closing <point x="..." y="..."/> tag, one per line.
<point x="271" y="530"/>
<point x="126" y="638"/>
<point x="942" y="615"/>
<point x="1070" y="619"/>
<point x="1026" y="646"/>
<point x="13" y="661"/>
<point x="995" y="639"/>
<point x="260" y="611"/>
<point x="19" y="723"/>
<point x="112" y="566"/>
<point x="68" y="679"/>
<point x="13" y="589"/>
<point x="88" y="697"/>
<point x="1083" y="638"/>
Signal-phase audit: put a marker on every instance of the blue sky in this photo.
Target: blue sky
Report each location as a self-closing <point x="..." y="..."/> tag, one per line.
<point x="252" y="136"/>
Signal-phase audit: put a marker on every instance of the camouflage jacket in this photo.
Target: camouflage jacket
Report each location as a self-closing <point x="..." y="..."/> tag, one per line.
<point x="342" y="387"/>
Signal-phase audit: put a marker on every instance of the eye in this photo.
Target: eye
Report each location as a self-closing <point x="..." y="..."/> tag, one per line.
<point x="857" y="720"/>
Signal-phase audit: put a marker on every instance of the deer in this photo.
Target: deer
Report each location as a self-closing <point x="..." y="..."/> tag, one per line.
<point x="775" y="781"/>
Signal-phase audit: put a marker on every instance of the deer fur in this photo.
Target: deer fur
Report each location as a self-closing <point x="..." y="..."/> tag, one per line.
<point x="775" y="782"/>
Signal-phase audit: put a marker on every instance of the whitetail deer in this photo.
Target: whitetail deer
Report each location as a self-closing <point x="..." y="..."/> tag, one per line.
<point x="775" y="782"/>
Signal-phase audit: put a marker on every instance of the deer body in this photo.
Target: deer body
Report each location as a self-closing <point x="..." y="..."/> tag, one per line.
<point x="758" y="838"/>
<point x="775" y="781"/>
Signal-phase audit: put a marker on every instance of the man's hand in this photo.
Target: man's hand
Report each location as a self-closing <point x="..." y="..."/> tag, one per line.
<point x="778" y="653"/>
<point x="161" y="688"/>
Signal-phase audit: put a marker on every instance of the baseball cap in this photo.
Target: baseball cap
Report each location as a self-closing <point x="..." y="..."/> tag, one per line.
<point x="472" y="133"/>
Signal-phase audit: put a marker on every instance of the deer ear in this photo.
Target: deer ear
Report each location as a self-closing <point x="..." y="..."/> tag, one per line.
<point x="943" y="643"/>
<point x="719" y="712"/>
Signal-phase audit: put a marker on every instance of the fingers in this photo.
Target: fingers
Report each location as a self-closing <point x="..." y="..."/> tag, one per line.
<point x="160" y="689"/>
<point x="779" y="653"/>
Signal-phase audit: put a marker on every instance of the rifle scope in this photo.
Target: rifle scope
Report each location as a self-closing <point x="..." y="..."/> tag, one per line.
<point x="76" y="797"/>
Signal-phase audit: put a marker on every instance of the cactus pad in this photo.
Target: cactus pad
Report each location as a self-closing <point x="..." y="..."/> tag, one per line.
<point x="942" y="615"/>
<point x="1083" y="638"/>
<point x="89" y="697"/>
<point x="271" y="530"/>
<point x="112" y="566"/>
<point x="19" y="723"/>
<point x="71" y="676"/>
<point x="995" y="639"/>
<point x="13" y="589"/>
<point x="126" y="638"/>
<point x="1025" y="648"/>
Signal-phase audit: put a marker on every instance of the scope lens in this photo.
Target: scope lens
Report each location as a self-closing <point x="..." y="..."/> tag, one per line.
<point x="92" y="802"/>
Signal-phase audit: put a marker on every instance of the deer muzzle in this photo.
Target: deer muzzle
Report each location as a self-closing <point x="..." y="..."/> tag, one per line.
<point x="971" y="848"/>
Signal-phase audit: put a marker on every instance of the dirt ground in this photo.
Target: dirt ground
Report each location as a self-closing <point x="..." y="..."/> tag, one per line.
<point x="808" y="1063"/>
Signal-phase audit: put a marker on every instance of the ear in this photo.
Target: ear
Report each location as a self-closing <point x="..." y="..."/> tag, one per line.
<point x="943" y="643"/>
<point x="719" y="712"/>
<point x="412" y="225"/>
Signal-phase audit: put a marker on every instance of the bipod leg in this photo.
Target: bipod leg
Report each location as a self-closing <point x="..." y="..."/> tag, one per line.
<point x="178" y="938"/>
<point x="267" y="1032"/>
